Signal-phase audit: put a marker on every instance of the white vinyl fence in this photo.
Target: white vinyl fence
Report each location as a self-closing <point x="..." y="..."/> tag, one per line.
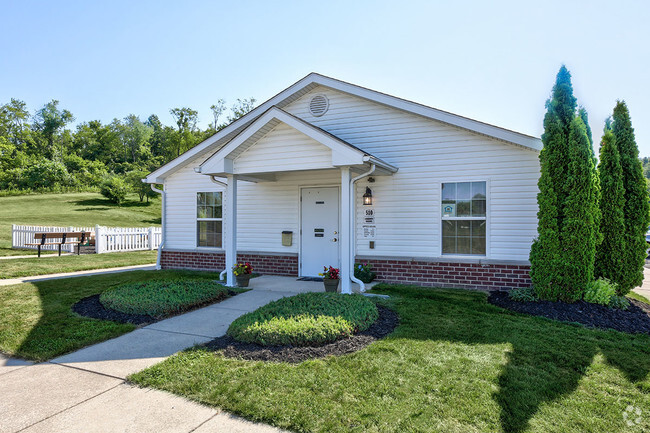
<point x="107" y="239"/>
<point x="111" y="239"/>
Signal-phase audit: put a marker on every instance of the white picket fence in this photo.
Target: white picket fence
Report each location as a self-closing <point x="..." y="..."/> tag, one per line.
<point x="112" y="239"/>
<point x="107" y="239"/>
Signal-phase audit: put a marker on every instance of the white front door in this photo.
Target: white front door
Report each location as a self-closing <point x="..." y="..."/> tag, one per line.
<point x="319" y="242"/>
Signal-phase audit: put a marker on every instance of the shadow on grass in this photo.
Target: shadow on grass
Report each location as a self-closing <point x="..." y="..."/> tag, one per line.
<point x="56" y="329"/>
<point x="105" y="204"/>
<point x="547" y="361"/>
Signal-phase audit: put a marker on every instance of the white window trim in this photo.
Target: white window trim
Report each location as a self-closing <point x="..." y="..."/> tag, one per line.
<point x="487" y="218"/>
<point x="197" y="219"/>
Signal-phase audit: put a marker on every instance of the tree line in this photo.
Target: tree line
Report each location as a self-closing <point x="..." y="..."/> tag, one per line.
<point x="39" y="152"/>
<point x="593" y="213"/>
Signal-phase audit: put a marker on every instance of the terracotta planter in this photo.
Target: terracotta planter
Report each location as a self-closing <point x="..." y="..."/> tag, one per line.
<point x="243" y="280"/>
<point x="331" y="285"/>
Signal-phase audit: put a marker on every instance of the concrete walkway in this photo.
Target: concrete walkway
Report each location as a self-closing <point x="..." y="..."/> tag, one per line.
<point x="85" y="391"/>
<point x="11" y="281"/>
<point x="645" y="287"/>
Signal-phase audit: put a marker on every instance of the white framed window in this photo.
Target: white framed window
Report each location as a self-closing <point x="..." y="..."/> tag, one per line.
<point x="464" y="218"/>
<point x="209" y="219"/>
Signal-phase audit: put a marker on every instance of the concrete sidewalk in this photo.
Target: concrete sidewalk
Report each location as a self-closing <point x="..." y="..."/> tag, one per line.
<point x="85" y="391"/>
<point x="644" y="289"/>
<point x="88" y="273"/>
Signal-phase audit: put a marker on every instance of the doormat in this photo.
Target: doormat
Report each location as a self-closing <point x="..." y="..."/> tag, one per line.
<point x="310" y="279"/>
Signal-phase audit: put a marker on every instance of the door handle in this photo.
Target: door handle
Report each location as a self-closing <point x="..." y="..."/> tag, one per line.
<point x="335" y="240"/>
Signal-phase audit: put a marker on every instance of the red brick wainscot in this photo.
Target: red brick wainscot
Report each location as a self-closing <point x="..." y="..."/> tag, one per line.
<point x="490" y="276"/>
<point x="269" y="264"/>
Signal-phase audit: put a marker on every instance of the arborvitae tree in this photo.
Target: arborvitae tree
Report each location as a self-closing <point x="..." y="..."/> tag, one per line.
<point x="561" y="109"/>
<point x="578" y="232"/>
<point x="636" y="208"/>
<point x="609" y="254"/>
<point x="582" y="112"/>
<point x="546" y="253"/>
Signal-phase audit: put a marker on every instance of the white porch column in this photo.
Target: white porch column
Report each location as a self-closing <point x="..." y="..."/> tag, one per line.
<point x="344" y="231"/>
<point x="230" y="241"/>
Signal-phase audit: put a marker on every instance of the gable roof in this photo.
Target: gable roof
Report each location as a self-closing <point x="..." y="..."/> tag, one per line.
<point x="343" y="153"/>
<point x="314" y="80"/>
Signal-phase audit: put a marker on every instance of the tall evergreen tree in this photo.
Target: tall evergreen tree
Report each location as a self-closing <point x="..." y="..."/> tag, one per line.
<point x="578" y="233"/>
<point x="609" y="254"/>
<point x="547" y="253"/>
<point x="637" y="209"/>
<point x="582" y="113"/>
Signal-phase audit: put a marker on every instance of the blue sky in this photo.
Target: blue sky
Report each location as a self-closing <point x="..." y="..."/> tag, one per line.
<point x="492" y="61"/>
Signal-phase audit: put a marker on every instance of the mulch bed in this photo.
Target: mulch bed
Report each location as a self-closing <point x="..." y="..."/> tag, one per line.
<point x="231" y="348"/>
<point x="635" y="320"/>
<point x="91" y="307"/>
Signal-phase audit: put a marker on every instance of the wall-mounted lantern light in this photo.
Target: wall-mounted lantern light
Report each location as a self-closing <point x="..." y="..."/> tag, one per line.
<point x="367" y="197"/>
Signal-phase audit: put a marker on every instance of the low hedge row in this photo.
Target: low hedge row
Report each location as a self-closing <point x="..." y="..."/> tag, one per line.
<point x="308" y="319"/>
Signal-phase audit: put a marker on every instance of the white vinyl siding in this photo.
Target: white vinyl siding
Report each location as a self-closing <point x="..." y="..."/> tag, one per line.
<point x="407" y="205"/>
<point x="428" y="152"/>
<point x="264" y="209"/>
<point x="284" y="149"/>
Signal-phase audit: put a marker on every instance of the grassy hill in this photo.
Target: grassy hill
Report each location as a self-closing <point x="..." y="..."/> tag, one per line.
<point x="76" y="209"/>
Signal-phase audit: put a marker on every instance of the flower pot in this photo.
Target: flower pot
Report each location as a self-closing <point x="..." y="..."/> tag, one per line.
<point x="242" y="280"/>
<point x="331" y="285"/>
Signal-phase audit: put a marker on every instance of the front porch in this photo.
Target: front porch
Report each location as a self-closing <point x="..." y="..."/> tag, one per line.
<point x="277" y="283"/>
<point x="277" y="144"/>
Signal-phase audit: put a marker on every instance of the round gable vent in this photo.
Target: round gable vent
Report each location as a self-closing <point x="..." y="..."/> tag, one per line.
<point x="319" y="105"/>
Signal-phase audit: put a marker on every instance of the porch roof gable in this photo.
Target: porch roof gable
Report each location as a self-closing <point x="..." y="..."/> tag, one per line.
<point x="343" y="153"/>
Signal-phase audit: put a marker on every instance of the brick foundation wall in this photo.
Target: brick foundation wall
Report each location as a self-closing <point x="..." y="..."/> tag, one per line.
<point x="262" y="263"/>
<point x="421" y="273"/>
<point x="453" y="275"/>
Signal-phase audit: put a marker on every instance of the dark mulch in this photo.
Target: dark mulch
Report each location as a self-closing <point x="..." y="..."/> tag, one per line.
<point x="635" y="320"/>
<point x="91" y="307"/>
<point x="231" y="348"/>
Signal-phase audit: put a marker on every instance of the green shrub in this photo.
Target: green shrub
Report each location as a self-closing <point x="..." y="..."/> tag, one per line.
<point x="600" y="291"/>
<point x="308" y="319"/>
<point x="160" y="298"/>
<point x="523" y="294"/>
<point x="364" y="272"/>
<point x="115" y="189"/>
<point x="619" y="302"/>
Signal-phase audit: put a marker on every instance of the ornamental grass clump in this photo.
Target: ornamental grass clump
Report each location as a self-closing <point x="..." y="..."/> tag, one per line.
<point x="309" y="319"/>
<point x="161" y="298"/>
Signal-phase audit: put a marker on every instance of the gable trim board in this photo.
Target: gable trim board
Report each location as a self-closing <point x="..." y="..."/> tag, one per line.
<point x="283" y="148"/>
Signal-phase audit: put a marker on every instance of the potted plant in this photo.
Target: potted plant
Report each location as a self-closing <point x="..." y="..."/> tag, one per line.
<point x="330" y="279"/>
<point x="242" y="273"/>
<point x="364" y="272"/>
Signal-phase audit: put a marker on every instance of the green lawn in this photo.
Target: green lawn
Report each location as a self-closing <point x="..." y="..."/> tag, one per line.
<point x="14" y="268"/>
<point x="455" y="364"/>
<point x="638" y="297"/>
<point x="75" y="209"/>
<point x="36" y="320"/>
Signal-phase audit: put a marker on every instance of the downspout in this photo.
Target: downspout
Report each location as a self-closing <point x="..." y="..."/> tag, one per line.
<point x="224" y="184"/>
<point x="353" y="201"/>
<point x="162" y="221"/>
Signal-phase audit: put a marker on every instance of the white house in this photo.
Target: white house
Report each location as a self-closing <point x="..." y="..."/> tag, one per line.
<point x="449" y="201"/>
